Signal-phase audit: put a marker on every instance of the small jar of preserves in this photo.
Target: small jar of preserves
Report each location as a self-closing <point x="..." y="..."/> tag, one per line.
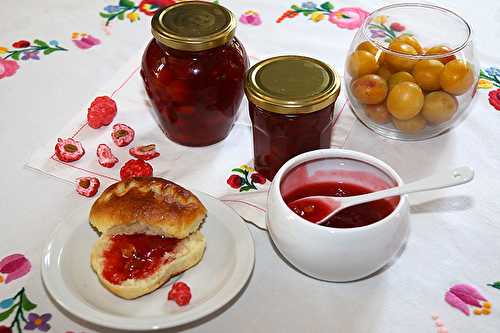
<point x="193" y="71"/>
<point x="291" y="103"/>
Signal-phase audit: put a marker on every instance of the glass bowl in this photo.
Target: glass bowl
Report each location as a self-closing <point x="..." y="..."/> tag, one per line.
<point x="411" y="71"/>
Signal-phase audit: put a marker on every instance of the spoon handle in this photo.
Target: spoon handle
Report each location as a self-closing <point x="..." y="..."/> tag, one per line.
<point x="439" y="180"/>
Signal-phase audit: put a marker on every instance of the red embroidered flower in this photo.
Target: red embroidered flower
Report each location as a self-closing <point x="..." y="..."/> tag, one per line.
<point x="397" y="27"/>
<point x="235" y="181"/>
<point x="494" y="98"/>
<point x="5" y="329"/>
<point x="258" y="178"/>
<point x="21" y="44"/>
<point x="150" y="7"/>
<point x="136" y="168"/>
<point x="101" y="112"/>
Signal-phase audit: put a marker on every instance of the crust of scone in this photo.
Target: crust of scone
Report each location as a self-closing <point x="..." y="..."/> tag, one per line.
<point x="187" y="254"/>
<point x="161" y="204"/>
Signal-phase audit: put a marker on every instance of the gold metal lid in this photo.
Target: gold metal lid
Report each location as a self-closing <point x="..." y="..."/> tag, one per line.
<point x="292" y="85"/>
<point x="193" y="26"/>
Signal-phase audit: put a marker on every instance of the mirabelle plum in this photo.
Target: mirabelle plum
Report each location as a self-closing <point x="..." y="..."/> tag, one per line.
<point x="457" y="77"/>
<point x="405" y="100"/>
<point x="361" y="63"/>
<point x="369" y="89"/>
<point x="439" y="107"/>
<point x="367" y="46"/>
<point x="412" y="126"/>
<point x="410" y="40"/>
<point x="427" y="74"/>
<point x="384" y="72"/>
<point x="400" y="77"/>
<point x="400" y="63"/>
<point x="441" y="49"/>
<point x="378" y="113"/>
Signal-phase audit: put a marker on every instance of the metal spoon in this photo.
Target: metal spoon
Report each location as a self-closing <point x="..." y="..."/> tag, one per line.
<point x="440" y="180"/>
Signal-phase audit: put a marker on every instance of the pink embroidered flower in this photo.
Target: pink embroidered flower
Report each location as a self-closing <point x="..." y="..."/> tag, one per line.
<point x="250" y="17"/>
<point x="348" y="17"/>
<point x="84" y="41"/>
<point x="15" y="266"/>
<point x="7" y="68"/>
<point x="461" y="295"/>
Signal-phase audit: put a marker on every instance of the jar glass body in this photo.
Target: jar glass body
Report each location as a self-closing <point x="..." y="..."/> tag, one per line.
<point x="408" y="79"/>
<point x="279" y="137"/>
<point x="195" y="95"/>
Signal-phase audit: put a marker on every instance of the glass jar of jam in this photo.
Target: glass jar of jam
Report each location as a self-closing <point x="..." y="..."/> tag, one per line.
<point x="193" y="71"/>
<point x="291" y="102"/>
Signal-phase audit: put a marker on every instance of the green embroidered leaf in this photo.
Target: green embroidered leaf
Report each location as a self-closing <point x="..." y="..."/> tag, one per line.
<point x="328" y="6"/>
<point x="238" y="170"/>
<point x="105" y="15"/>
<point x="121" y="16"/>
<point x="49" y="51"/>
<point x="40" y="43"/>
<point x="4" y="315"/>
<point x="245" y="188"/>
<point x="16" y="55"/>
<point x="495" y="285"/>
<point x="127" y="3"/>
<point x="26" y="303"/>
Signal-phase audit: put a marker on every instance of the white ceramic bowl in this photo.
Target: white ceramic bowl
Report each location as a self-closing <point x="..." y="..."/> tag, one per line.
<point x="336" y="254"/>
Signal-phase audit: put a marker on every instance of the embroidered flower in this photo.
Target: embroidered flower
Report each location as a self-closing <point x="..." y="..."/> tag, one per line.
<point x="84" y="41"/>
<point x="309" y="5"/>
<point x="54" y="43"/>
<point x="149" y="7"/>
<point x="21" y="44"/>
<point x="245" y="179"/>
<point x="348" y="17"/>
<point x="258" y="178"/>
<point x="377" y="33"/>
<point x="30" y="55"/>
<point x="461" y="295"/>
<point x="38" y="322"/>
<point x="494" y="98"/>
<point x="317" y="16"/>
<point x="250" y="17"/>
<point x="8" y="68"/>
<point x="484" y="84"/>
<point x="492" y="71"/>
<point x="133" y="16"/>
<point x="246" y="167"/>
<point x="112" y="9"/>
<point x="15" y="266"/>
<point x="5" y="329"/>
<point x="3" y="50"/>
<point x="6" y="303"/>
<point x="235" y="181"/>
<point x="397" y="27"/>
<point x="381" y="19"/>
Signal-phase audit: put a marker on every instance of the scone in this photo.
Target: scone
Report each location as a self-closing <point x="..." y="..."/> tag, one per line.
<point x="149" y="232"/>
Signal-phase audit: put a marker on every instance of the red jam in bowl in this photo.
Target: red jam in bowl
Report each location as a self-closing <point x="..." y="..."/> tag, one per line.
<point x="193" y="72"/>
<point x="291" y="104"/>
<point x="135" y="256"/>
<point x="352" y="217"/>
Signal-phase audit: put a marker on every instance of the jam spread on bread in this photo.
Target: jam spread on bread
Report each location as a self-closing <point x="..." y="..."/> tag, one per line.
<point x="135" y="256"/>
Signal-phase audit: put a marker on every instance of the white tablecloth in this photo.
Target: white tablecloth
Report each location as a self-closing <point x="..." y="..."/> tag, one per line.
<point x="454" y="237"/>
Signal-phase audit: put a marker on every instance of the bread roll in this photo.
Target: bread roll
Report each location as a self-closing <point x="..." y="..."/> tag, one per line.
<point x="165" y="207"/>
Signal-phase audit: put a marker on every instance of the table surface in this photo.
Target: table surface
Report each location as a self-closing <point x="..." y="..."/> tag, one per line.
<point x="454" y="233"/>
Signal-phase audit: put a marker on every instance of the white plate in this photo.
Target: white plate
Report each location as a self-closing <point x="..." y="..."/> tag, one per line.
<point x="221" y="274"/>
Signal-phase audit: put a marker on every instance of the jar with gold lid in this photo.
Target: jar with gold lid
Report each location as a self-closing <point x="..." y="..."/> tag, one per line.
<point x="193" y="71"/>
<point x="291" y="104"/>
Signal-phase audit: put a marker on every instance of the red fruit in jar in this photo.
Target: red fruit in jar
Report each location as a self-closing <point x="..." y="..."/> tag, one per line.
<point x="122" y="135"/>
<point x="235" y="181"/>
<point x="87" y="186"/>
<point x="101" y="112"/>
<point x="180" y="293"/>
<point x="136" y="168"/>
<point x="258" y="178"/>
<point x="105" y="157"/>
<point x="145" y="153"/>
<point x="69" y="150"/>
<point x="20" y="44"/>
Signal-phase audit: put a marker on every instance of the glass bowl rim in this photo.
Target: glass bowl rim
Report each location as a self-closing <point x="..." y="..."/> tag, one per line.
<point x="380" y="46"/>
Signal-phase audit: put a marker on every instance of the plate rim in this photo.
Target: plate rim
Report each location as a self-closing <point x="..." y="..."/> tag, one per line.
<point x="236" y="283"/>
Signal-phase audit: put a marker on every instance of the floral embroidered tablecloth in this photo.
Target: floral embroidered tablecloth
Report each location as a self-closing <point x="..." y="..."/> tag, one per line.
<point x="55" y="56"/>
